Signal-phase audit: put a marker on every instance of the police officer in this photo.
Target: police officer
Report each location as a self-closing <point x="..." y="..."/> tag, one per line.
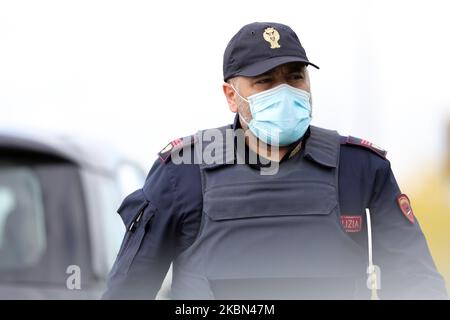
<point x="291" y="224"/>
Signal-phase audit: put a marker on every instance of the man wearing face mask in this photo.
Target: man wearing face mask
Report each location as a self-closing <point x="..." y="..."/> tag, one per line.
<point x="329" y="223"/>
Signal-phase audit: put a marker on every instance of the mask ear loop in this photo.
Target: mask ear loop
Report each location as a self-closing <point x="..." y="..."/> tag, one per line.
<point x="239" y="94"/>
<point x="240" y="115"/>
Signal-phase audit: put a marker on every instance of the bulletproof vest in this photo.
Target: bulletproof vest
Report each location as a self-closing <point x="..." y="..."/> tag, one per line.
<point x="273" y="236"/>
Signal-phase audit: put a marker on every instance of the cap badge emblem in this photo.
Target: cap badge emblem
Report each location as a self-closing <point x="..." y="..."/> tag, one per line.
<point x="272" y="36"/>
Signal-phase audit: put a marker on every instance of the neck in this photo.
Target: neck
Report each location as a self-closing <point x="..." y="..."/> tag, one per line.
<point x="265" y="150"/>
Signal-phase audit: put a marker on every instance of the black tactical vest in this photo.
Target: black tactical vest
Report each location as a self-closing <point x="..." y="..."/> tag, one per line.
<point x="273" y="236"/>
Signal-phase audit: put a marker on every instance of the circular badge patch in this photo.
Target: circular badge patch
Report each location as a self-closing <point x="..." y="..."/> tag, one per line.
<point x="405" y="207"/>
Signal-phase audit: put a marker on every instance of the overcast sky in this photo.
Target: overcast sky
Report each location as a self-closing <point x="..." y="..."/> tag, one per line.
<point x="137" y="74"/>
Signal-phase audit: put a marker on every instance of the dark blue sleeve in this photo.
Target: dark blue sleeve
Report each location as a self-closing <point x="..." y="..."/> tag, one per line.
<point x="162" y="219"/>
<point x="399" y="246"/>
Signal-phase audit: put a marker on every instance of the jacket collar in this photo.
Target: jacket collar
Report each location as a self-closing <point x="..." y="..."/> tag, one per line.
<point x="320" y="145"/>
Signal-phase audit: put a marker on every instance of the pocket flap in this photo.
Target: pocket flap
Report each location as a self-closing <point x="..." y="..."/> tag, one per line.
<point x="279" y="198"/>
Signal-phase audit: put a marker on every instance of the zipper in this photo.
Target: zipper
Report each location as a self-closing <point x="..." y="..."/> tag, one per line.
<point x="137" y="219"/>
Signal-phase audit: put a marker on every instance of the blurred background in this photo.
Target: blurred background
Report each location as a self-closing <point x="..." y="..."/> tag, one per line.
<point x="90" y="91"/>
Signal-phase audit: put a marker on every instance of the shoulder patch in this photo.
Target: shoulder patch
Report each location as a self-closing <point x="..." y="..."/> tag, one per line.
<point x="405" y="207"/>
<point x="364" y="143"/>
<point x="174" y="145"/>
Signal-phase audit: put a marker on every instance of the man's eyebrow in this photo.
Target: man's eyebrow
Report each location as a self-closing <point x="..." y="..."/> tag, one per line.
<point x="265" y="74"/>
<point x="296" y="68"/>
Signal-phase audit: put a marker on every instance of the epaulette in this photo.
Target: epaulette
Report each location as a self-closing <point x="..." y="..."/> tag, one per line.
<point x="364" y="143"/>
<point x="164" y="154"/>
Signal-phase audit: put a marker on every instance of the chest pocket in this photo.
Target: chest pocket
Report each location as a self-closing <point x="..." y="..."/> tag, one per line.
<point x="277" y="199"/>
<point x="137" y="214"/>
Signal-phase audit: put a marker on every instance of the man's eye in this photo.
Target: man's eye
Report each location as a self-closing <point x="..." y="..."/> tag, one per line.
<point x="297" y="76"/>
<point x="263" y="80"/>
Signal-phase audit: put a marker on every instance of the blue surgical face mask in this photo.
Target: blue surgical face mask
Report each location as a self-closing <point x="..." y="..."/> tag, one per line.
<point x="280" y="116"/>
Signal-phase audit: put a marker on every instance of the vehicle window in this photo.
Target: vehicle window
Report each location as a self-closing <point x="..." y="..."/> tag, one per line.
<point x="22" y="220"/>
<point x="110" y="198"/>
<point x="131" y="177"/>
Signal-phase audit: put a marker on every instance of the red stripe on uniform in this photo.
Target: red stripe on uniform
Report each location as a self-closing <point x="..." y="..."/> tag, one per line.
<point x="176" y="142"/>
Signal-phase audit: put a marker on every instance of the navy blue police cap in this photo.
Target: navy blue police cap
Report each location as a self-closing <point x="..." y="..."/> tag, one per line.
<point x="261" y="46"/>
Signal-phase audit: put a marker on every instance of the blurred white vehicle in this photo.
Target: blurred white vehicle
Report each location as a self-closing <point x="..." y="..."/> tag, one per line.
<point x="59" y="230"/>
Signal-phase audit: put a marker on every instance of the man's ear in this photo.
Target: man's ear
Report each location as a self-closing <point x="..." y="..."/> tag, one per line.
<point x="231" y="96"/>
